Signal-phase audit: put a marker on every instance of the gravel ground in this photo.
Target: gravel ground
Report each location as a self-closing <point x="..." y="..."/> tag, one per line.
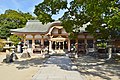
<point x="90" y="68"/>
<point x="97" y="69"/>
<point x="21" y="69"/>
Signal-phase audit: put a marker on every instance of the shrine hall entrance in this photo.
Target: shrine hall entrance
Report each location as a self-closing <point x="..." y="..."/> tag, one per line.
<point x="59" y="47"/>
<point x="59" y="44"/>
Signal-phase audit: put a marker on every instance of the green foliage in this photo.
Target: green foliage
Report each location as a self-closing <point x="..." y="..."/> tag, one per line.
<point x="15" y="39"/>
<point x="46" y="9"/>
<point x="103" y="15"/>
<point x="102" y="45"/>
<point x="73" y="36"/>
<point x="1" y="44"/>
<point x="12" y="19"/>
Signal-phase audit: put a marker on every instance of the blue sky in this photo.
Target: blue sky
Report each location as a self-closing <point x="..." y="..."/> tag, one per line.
<point x="22" y="5"/>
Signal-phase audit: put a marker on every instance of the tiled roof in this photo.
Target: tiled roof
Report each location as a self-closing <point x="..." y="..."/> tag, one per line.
<point x="33" y="26"/>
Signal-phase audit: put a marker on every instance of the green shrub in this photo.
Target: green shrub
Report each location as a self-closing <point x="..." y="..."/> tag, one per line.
<point x="102" y="45"/>
<point x="15" y="39"/>
<point x="2" y="44"/>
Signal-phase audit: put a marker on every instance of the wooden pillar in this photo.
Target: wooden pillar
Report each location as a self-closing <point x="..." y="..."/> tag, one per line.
<point x="63" y="45"/>
<point x="77" y="43"/>
<point x="94" y="45"/>
<point x="85" y="41"/>
<point x="50" y="43"/>
<point x="59" y="45"/>
<point x="24" y="37"/>
<point x="68" y="44"/>
<point x="55" y="45"/>
<point x="33" y="42"/>
<point x="42" y="40"/>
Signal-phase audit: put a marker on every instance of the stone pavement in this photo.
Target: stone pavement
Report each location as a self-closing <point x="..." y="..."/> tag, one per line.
<point x="57" y="68"/>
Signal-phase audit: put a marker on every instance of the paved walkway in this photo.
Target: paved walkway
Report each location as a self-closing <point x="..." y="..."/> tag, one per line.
<point x="57" y="68"/>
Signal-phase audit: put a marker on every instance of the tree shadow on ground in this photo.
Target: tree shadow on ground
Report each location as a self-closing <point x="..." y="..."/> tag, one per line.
<point x="89" y="66"/>
<point x="61" y="61"/>
<point x="34" y="62"/>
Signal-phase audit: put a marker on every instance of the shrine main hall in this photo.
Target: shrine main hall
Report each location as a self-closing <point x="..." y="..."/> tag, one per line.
<point x="53" y="36"/>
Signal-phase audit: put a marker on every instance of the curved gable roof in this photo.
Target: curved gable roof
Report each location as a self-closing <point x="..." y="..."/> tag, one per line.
<point x="35" y="26"/>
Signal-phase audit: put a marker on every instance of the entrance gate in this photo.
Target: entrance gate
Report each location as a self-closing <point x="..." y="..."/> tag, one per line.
<point x="58" y="44"/>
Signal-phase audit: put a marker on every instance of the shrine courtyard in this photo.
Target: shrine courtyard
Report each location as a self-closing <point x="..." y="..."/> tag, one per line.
<point x="58" y="68"/>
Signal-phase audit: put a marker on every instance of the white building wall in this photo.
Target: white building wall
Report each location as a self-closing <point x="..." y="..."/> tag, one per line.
<point x="38" y="36"/>
<point x="55" y="31"/>
<point x="81" y="36"/>
<point x="63" y="31"/>
<point x="29" y="36"/>
<point x="89" y="37"/>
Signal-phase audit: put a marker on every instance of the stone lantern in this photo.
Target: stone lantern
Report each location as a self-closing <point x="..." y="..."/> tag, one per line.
<point x="7" y="46"/>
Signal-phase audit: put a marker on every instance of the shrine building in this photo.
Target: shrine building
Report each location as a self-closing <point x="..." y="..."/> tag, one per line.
<point x="53" y="36"/>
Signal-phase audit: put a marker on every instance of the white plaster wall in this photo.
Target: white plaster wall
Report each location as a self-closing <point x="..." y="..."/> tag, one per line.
<point x="81" y="36"/>
<point x="55" y="31"/>
<point x="46" y="37"/>
<point x="63" y="31"/>
<point x="29" y="36"/>
<point x="89" y="36"/>
<point x="38" y="36"/>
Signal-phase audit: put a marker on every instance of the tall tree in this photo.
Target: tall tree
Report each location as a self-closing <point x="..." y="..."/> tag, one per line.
<point x="103" y="15"/>
<point x="12" y="19"/>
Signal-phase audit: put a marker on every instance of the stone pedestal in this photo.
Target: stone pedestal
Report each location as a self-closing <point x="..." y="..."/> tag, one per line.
<point x="25" y="53"/>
